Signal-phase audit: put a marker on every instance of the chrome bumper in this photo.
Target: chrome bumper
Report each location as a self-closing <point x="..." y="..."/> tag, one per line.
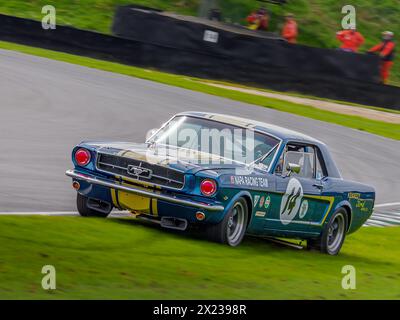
<point x="105" y="183"/>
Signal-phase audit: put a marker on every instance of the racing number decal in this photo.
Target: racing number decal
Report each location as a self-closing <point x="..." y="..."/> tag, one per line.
<point x="291" y="201"/>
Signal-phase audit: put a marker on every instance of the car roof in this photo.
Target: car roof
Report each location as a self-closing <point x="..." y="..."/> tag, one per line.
<point x="274" y="130"/>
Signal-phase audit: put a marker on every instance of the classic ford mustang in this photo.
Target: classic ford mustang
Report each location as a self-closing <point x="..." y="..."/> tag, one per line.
<point x="228" y="175"/>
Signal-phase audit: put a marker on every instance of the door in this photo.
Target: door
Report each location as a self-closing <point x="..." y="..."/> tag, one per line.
<point x="299" y="191"/>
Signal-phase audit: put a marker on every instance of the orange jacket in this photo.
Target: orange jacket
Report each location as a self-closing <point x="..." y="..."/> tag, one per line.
<point x="385" y="49"/>
<point x="350" y="39"/>
<point x="289" y="31"/>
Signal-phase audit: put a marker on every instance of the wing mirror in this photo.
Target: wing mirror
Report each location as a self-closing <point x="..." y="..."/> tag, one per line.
<point x="292" y="167"/>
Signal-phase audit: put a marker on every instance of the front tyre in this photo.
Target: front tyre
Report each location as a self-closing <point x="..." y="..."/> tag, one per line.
<point x="232" y="228"/>
<point x="85" y="211"/>
<point x="333" y="235"/>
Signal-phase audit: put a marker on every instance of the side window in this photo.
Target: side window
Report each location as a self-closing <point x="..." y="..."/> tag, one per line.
<point x="320" y="171"/>
<point x="304" y="159"/>
<point x="302" y="155"/>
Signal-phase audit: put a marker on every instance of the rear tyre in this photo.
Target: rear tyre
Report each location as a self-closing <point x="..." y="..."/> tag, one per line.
<point x="333" y="235"/>
<point x="85" y="211"/>
<point x="232" y="228"/>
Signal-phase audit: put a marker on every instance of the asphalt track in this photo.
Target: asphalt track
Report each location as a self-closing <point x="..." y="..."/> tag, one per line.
<point x="47" y="107"/>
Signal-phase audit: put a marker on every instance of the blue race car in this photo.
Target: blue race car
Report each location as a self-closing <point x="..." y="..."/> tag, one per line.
<point x="228" y="175"/>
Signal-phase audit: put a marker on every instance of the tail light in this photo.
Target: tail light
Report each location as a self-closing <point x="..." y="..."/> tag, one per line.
<point x="82" y="157"/>
<point x="208" y="187"/>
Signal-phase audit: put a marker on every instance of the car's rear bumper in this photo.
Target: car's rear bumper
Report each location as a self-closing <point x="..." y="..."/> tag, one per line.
<point x="91" y="179"/>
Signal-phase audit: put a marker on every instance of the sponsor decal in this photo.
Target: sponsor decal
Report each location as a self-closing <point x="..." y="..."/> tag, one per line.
<point x="250" y="181"/>
<point x="267" y="202"/>
<point x="303" y="209"/>
<point x="291" y="201"/>
<point x="211" y="36"/>
<point x="353" y="195"/>
<point x="260" y="214"/>
<point x="361" y="205"/>
<point x="262" y="201"/>
<point x="256" y="198"/>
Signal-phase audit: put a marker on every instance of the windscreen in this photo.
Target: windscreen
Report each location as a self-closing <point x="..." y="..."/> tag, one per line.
<point x="216" y="141"/>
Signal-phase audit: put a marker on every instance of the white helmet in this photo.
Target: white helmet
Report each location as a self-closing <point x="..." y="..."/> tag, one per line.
<point x="387" y="34"/>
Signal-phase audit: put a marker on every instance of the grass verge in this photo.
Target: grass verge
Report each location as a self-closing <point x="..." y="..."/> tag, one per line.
<point x="376" y="127"/>
<point x="300" y="95"/>
<point x="126" y="259"/>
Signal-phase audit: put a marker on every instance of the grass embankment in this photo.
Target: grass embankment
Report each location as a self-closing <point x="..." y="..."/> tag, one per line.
<point x="377" y="127"/>
<point x="318" y="19"/>
<point x="120" y="258"/>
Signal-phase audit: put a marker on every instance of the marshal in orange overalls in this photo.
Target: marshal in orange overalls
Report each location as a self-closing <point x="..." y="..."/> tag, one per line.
<point x="386" y="52"/>
<point x="289" y="31"/>
<point x="351" y="40"/>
